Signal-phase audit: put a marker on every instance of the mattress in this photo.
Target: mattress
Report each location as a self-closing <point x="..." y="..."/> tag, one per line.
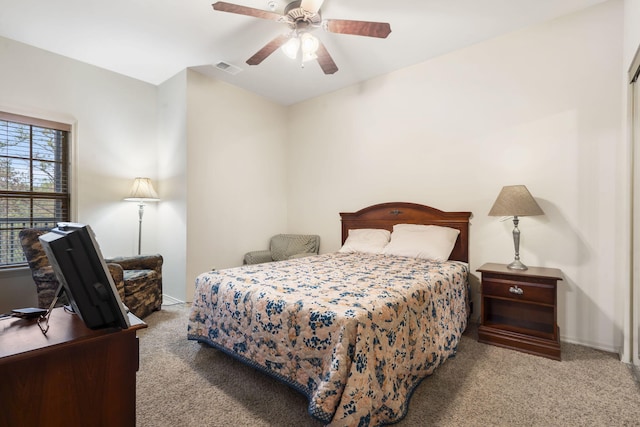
<point x="355" y="333"/>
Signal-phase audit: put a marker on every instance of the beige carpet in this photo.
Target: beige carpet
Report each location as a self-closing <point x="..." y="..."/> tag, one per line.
<point x="183" y="383"/>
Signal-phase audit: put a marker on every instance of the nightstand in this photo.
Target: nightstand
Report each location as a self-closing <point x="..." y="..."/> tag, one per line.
<point x="519" y="309"/>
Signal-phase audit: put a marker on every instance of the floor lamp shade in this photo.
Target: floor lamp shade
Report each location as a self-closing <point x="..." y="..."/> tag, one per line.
<point x="515" y="201"/>
<point x="142" y="191"/>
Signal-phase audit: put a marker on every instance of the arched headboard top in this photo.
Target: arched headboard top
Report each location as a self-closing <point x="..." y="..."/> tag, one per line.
<point x="386" y="215"/>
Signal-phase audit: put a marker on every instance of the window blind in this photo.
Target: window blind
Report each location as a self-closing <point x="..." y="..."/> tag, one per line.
<point x="34" y="180"/>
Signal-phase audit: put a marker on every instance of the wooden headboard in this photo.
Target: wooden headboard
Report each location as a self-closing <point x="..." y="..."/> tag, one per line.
<point x="386" y="215"/>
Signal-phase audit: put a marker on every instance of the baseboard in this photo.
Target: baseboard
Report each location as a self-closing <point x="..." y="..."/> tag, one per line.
<point x="597" y="346"/>
<point x="169" y="300"/>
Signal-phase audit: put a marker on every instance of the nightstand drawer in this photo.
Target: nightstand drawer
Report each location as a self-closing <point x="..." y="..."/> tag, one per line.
<point x="531" y="292"/>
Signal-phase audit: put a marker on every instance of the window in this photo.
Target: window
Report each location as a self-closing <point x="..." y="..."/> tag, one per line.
<point x="34" y="180"/>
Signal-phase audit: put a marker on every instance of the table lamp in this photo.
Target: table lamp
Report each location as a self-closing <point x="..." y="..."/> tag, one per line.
<point x="515" y="201"/>
<point x="142" y="191"/>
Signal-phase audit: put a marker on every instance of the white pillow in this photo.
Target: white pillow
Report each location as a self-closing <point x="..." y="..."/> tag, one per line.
<point x="369" y="240"/>
<point x="422" y="241"/>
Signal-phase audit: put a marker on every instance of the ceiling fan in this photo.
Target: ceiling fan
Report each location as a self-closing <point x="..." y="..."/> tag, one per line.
<point x="302" y="17"/>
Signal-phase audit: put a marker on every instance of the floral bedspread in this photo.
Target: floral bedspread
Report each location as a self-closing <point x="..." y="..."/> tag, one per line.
<point x="356" y="333"/>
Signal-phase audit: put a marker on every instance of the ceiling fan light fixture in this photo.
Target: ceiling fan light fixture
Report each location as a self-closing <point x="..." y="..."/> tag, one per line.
<point x="309" y="44"/>
<point x="291" y="47"/>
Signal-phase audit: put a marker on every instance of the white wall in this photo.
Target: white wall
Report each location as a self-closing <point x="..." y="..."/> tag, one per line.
<point x="540" y="107"/>
<point x="236" y="174"/>
<point x="114" y="128"/>
<point x="172" y="186"/>
<point x="222" y="177"/>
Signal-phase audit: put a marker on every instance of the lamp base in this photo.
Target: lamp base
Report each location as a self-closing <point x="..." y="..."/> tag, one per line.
<point x="517" y="265"/>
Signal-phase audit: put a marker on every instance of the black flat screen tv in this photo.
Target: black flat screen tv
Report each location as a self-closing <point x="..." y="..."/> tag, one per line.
<point x="76" y="259"/>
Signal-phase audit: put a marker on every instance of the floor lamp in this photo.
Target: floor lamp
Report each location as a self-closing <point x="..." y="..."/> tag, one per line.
<point x="515" y="201"/>
<point x="142" y="191"/>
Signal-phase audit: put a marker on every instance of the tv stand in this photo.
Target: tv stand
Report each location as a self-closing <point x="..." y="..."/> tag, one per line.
<point x="71" y="376"/>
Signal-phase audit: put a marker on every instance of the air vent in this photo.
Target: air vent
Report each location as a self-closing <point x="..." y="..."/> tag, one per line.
<point x="228" y="68"/>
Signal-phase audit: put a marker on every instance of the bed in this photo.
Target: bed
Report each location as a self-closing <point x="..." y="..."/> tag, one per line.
<point x="356" y="330"/>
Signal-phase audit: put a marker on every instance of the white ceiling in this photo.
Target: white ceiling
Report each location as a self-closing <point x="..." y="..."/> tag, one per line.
<point x="153" y="40"/>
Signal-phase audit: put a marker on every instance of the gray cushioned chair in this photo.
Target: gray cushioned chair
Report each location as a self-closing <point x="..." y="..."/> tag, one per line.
<point x="285" y="246"/>
<point x="137" y="278"/>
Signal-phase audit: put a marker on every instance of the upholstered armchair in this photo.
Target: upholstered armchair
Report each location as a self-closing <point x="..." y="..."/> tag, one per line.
<point x="139" y="287"/>
<point x="142" y="276"/>
<point x="285" y="246"/>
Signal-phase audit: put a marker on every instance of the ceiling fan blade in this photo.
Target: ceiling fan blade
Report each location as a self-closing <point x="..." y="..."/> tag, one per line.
<point x="311" y="6"/>
<point x="268" y="49"/>
<point x="358" y="28"/>
<point x="325" y="60"/>
<point x="243" y="10"/>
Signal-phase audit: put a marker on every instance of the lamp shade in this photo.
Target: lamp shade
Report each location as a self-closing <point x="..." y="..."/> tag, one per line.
<point x="515" y="200"/>
<point x="142" y="190"/>
<point x="291" y="47"/>
<point x="309" y="44"/>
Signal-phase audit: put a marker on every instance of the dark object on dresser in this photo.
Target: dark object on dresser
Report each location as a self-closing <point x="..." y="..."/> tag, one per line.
<point x="137" y="278"/>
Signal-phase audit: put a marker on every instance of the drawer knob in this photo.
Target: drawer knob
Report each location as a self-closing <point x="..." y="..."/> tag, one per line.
<point x="516" y="290"/>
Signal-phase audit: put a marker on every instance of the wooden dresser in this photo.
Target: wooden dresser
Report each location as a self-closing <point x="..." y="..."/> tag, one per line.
<point x="520" y="309"/>
<point x="73" y="376"/>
